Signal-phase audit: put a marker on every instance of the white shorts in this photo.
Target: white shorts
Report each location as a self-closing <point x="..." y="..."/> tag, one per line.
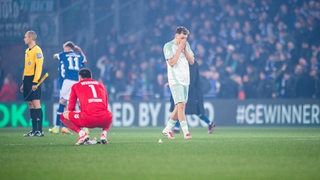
<point x="179" y="93"/>
<point x="66" y="89"/>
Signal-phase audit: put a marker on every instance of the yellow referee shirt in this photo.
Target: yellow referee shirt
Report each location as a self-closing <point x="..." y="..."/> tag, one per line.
<point x="33" y="63"/>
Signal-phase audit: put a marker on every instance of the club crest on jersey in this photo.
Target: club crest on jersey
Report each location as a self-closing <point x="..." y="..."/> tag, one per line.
<point x="39" y="55"/>
<point x="29" y="63"/>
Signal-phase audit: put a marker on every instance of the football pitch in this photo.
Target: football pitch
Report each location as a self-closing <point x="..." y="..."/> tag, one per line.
<point x="135" y="153"/>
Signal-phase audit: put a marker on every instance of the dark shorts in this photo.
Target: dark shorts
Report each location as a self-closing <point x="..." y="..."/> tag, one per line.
<point x="27" y="87"/>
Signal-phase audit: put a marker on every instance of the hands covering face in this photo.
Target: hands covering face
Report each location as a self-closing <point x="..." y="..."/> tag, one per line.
<point x="182" y="43"/>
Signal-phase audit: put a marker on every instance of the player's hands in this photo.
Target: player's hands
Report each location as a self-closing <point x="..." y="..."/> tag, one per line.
<point x="66" y="114"/>
<point x="78" y="49"/>
<point x="55" y="56"/>
<point x="185" y="46"/>
<point x="34" y="87"/>
<point x="21" y="88"/>
<point x="182" y="44"/>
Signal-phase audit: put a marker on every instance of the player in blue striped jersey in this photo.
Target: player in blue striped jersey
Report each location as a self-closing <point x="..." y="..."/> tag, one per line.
<point x="71" y="60"/>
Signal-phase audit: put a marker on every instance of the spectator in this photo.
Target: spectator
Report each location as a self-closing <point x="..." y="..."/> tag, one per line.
<point x="1" y="76"/>
<point x="263" y="34"/>
<point x="288" y="86"/>
<point x="229" y="88"/>
<point x="9" y="90"/>
<point x="250" y="81"/>
<point x="306" y="84"/>
<point x="266" y="86"/>
<point x="120" y="85"/>
<point x="104" y="65"/>
<point x="159" y="87"/>
<point x="266" y="35"/>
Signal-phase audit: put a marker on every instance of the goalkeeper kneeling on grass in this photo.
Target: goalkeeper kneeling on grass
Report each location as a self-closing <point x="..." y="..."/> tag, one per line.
<point x="94" y="110"/>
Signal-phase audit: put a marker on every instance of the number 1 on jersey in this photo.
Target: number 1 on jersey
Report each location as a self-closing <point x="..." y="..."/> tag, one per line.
<point x="93" y="89"/>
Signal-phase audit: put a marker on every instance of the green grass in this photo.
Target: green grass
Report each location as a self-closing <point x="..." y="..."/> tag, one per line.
<point x="134" y="153"/>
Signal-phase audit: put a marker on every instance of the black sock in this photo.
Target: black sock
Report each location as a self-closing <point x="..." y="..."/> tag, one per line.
<point x="33" y="119"/>
<point x="38" y="119"/>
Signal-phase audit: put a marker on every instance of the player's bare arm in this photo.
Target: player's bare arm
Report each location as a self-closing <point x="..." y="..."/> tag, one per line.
<point x="189" y="57"/>
<point x="82" y="53"/>
<point x="175" y="58"/>
<point x="21" y="88"/>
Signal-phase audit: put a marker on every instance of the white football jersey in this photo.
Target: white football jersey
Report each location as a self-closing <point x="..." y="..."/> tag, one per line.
<point x="179" y="73"/>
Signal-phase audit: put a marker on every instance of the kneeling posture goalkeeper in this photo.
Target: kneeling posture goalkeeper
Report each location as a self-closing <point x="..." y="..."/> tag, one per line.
<point x="94" y="111"/>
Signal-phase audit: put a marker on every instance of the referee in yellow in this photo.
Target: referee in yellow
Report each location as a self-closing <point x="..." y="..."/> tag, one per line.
<point x="31" y="75"/>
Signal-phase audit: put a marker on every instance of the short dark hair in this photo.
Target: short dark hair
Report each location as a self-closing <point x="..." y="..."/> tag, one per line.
<point x="181" y="29"/>
<point x="85" y="73"/>
<point x="69" y="44"/>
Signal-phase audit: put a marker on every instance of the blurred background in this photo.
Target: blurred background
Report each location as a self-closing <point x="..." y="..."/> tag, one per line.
<point x="246" y="49"/>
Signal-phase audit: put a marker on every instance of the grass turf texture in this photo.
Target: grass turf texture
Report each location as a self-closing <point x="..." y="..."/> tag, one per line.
<point x="134" y="153"/>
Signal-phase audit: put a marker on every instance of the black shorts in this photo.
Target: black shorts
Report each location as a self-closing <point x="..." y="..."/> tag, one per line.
<point x="27" y="87"/>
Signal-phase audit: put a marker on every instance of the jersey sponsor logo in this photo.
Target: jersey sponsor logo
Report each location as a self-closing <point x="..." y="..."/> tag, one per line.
<point x="39" y="55"/>
<point x="76" y="116"/>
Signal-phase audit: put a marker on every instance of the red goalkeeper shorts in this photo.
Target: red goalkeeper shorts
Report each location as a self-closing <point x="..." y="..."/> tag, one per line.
<point x="102" y="119"/>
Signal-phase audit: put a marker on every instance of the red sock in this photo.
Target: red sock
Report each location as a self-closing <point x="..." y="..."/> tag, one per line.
<point x="107" y="127"/>
<point x="69" y="124"/>
<point x="109" y="122"/>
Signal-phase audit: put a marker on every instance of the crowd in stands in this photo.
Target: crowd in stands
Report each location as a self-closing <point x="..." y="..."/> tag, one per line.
<point x="245" y="49"/>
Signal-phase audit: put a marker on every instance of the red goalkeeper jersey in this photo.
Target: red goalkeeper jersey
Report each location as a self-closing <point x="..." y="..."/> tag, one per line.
<point x="92" y="97"/>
